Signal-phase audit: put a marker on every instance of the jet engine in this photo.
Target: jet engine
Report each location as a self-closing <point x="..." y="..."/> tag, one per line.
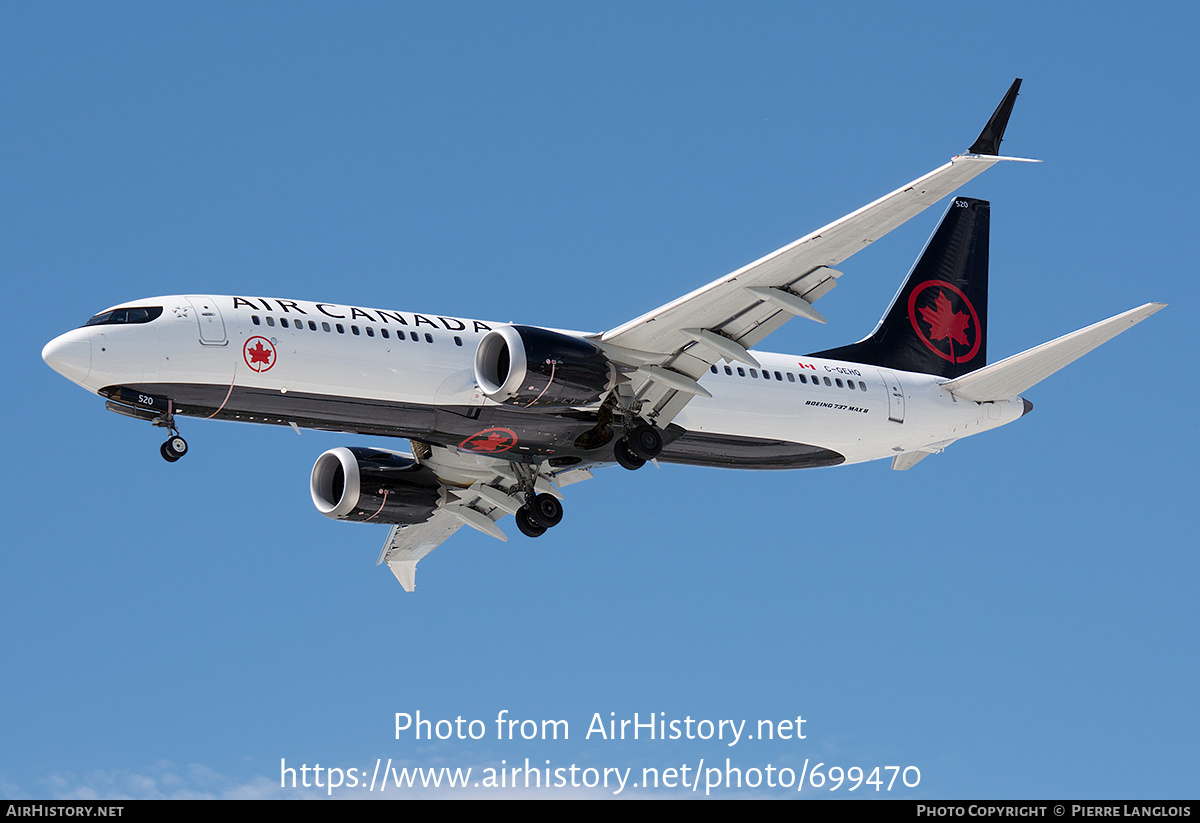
<point x="525" y="366"/>
<point x="373" y="485"/>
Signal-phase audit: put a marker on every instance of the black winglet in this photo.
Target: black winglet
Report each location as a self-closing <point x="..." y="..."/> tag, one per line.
<point x="993" y="132"/>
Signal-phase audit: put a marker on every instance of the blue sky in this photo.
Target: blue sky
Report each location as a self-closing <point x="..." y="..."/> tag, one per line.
<point x="1015" y="617"/>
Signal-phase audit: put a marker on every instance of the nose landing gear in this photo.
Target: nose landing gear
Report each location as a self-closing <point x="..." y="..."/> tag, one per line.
<point x="159" y="411"/>
<point x="175" y="448"/>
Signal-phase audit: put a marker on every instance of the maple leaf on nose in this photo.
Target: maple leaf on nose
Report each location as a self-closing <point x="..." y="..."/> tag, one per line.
<point x="258" y="354"/>
<point x="945" y="322"/>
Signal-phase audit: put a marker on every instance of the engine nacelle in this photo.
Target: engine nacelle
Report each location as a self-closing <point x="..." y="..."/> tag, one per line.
<point x="374" y="485"/>
<point x="527" y="367"/>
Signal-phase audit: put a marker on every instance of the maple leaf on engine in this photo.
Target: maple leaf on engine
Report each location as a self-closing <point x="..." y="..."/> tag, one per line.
<point x="945" y="322"/>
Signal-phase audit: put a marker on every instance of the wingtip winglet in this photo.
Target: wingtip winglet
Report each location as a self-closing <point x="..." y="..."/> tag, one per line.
<point x="406" y="573"/>
<point x="989" y="139"/>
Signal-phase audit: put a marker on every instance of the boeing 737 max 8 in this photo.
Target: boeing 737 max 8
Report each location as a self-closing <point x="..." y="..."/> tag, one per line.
<point x="501" y="417"/>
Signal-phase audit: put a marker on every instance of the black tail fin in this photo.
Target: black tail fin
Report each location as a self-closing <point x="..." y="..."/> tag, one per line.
<point x="937" y="323"/>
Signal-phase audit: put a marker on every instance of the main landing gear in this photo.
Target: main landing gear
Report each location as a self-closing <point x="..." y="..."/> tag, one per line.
<point x="541" y="513"/>
<point x="641" y="443"/>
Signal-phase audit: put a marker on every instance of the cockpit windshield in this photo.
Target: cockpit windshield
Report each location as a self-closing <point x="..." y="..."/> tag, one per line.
<point x="136" y="314"/>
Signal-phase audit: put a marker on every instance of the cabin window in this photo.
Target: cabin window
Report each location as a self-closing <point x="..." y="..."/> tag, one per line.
<point x="254" y="319"/>
<point x="324" y="326"/>
<point x="457" y="340"/>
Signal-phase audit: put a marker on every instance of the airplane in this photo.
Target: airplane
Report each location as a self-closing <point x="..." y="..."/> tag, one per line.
<point x="502" y="417"/>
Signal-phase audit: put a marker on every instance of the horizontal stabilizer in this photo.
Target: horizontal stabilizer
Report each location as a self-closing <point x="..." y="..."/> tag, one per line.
<point x="904" y="462"/>
<point x="1013" y="375"/>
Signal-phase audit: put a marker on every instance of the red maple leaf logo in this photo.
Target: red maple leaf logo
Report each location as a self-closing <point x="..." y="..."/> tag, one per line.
<point x="258" y="354"/>
<point x="490" y="441"/>
<point x="944" y="322"/>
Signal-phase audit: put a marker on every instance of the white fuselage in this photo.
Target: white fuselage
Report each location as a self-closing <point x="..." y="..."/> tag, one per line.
<point x="364" y="370"/>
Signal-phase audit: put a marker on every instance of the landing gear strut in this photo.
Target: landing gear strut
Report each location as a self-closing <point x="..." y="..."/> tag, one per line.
<point x="159" y="411"/>
<point x="176" y="446"/>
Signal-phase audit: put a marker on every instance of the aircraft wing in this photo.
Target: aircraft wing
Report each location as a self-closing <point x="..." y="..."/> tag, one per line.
<point x="407" y="544"/>
<point x="672" y="346"/>
<point x="476" y="491"/>
<point x="666" y="351"/>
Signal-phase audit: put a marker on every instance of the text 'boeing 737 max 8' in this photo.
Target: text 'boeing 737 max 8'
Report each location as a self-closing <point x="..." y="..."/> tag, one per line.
<point x="501" y="417"/>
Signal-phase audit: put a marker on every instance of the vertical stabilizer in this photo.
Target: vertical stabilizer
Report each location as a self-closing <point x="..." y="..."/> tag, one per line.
<point x="937" y="323"/>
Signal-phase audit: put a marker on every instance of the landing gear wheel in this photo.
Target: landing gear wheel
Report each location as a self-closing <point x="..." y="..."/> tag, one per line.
<point x="526" y="524"/>
<point x="545" y="510"/>
<point x="626" y="457"/>
<point x="173" y="449"/>
<point x="645" y="441"/>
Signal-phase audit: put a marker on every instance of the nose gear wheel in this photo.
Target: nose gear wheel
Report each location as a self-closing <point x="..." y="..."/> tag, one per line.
<point x="175" y="448"/>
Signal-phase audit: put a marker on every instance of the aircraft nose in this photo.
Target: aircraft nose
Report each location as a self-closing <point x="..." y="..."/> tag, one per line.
<point x="70" y="355"/>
